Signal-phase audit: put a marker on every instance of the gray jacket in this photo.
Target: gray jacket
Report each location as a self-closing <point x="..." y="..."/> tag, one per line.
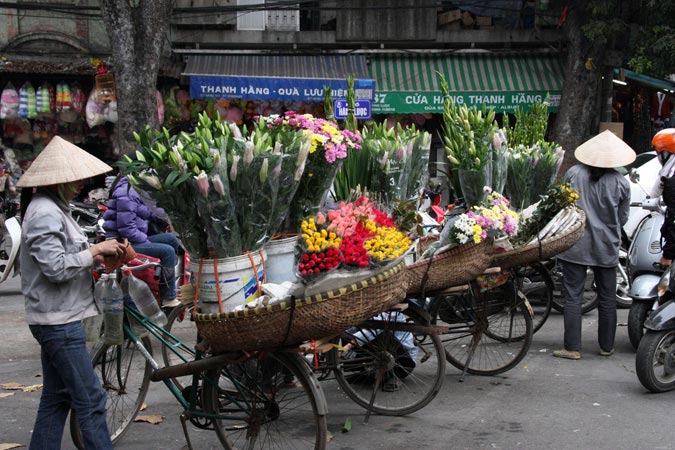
<point x="607" y="205"/>
<point x="55" y="265"/>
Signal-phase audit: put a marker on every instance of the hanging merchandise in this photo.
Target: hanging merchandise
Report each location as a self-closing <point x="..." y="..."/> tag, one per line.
<point x="160" y="107"/>
<point x="77" y="98"/>
<point x="59" y="96"/>
<point x="23" y="101"/>
<point x="110" y="112"/>
<point x="95" y="111"/>
<point x="66" y="100"/>
<point x="44" y="98"/>
<point x="105" y="85"/>
<point x="9" y="102"/>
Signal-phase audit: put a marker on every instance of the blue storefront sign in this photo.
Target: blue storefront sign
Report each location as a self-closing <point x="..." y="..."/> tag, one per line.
<point x="362" y="109"/>
<point x="275" y="89"/>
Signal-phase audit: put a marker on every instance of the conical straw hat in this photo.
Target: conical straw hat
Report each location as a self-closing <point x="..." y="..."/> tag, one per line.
<point x="605" y="150"/>
<point x="61" y="162"/>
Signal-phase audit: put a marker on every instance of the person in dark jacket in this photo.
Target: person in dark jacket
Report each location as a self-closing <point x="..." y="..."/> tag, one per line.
<point x="128" y="217"/>
<point x="604" y="195"/>
<point x="664" y="144"/>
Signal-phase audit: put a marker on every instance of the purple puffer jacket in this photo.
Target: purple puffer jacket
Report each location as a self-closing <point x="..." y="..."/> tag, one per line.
<point x="127" y="216"/>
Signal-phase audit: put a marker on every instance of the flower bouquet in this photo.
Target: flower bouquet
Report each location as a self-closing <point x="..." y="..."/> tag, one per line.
<point x="492" y="219"/>
<point x="554" y="225"/>
<point x="468" y="136"/>
<point x="220" y="186"/>
<point x="464" y="248"/>
<point x="533" y="162"/>
<point x="328" y="145"/>
<point x="356" y="235"/>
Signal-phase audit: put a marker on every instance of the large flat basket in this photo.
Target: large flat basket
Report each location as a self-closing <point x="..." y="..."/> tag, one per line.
<point x="542" y="250"/>
<point x="292" y="322"/>
<point x="455" y="267"/>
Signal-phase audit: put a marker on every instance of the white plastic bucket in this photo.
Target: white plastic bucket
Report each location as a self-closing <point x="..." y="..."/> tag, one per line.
<point x="281" y="260"/>
<point x="236" y="279"/>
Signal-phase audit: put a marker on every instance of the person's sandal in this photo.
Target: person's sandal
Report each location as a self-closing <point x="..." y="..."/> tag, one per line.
<point x="567" y="354"/>
<point x="390" y="385"/>
<point x="606" y="353"/>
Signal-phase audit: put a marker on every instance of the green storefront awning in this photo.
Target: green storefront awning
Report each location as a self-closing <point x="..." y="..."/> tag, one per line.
<point x="410" y="84"/>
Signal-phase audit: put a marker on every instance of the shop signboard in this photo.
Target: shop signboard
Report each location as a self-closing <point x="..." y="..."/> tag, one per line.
<point x="432" y="102"/>
<point x="362" y="109"/>
<point x="275" y="88"/>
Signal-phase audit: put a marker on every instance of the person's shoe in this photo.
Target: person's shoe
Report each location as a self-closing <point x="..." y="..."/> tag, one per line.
<point x="390" y="385"/>
<point x="567" y="354"/>
<point x="606" y="353"/>
<point x="170" y="303"/>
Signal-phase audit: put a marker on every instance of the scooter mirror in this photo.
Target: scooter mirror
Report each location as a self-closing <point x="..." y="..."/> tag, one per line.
<point x="634" y="175"/>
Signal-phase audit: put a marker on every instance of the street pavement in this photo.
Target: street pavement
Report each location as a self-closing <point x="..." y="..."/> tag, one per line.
<point x="543" y="403"/>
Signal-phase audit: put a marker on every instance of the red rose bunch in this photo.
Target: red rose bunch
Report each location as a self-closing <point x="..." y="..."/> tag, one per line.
<point x="318" y="262"/>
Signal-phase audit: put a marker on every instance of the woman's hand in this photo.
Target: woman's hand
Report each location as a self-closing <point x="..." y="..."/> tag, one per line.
<point x="109" y="248"/>
<point x="665" y="262"/>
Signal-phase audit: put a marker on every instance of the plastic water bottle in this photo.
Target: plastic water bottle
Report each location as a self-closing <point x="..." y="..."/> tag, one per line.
<point x="113" y="311"/>
<point x="92" y="325"/>
<point x="146" y="303"/>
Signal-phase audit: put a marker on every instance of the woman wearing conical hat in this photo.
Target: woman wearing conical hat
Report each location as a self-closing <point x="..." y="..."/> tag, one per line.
<point x="604" y="195"/>
<point x="55" y="266"/>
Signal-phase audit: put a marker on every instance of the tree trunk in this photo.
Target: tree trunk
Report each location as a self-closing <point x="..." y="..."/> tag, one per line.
<point x="137" y="30"/>
<point x="583" y="75"/>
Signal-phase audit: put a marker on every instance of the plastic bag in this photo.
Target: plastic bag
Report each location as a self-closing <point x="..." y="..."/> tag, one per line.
<point x="95" y="111"/>
<point x="9" y="102"/>
<point x="77" y="98"/>
<point x="27" y="101"/>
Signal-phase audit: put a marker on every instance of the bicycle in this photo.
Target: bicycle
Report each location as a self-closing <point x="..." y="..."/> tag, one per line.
<point x="489" y="329"/>
<point x="364" y="359"/>
<point x="251" y="400"/>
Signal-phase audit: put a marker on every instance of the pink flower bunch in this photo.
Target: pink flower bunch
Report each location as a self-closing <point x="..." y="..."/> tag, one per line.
<point x="347" y="216"/>
<point x="325" y="134"/>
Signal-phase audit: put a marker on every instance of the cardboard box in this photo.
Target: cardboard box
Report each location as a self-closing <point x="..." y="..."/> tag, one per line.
<point x="614" y="127"/>
<point x="483" y="21"/>
<point x="453" y="26"/>
<point x="467" y="19"/>
<point x="449" y="16"/>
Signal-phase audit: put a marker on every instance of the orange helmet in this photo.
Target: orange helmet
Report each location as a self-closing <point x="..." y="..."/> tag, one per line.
<point x="664" y="140"/>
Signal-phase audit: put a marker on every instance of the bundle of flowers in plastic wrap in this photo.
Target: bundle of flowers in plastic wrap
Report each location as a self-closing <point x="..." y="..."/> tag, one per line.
<point x="226" y="190"/>
<point x="493" y="219"/>
<point x="328" y="146"/>
<point x="347" y="244"/>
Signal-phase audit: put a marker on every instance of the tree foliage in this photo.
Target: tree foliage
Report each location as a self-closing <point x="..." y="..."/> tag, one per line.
<point x="653" y="51"/>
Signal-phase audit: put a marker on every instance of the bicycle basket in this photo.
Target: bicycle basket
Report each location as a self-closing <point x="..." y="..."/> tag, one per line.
<point x="457" y="266"/>
<point x="546" y="249"/>
<point x="292" y="322"/>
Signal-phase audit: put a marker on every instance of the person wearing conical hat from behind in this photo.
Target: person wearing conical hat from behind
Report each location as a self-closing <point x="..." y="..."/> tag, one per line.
<point x="55" y="267"/>
<point x="604" y="195"/>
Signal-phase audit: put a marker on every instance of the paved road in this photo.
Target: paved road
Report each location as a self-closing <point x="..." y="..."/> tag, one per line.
<point x="543" y="403"/>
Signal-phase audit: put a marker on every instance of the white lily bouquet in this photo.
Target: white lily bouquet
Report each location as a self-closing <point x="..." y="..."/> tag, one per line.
<point x="533" y="162"/>
<point x="224" y="189"/>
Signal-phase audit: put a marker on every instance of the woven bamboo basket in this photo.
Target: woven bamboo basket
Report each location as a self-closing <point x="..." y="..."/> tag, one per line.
<point x="315" y="317"/>
<point x="539" y="251"/>
<point x="455" y="267"/>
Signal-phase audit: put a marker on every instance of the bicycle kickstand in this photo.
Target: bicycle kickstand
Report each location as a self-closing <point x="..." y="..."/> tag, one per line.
<point x="183" y="422"/>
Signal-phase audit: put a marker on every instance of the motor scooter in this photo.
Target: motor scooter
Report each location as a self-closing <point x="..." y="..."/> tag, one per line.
<point x="655" y="359"/>
<point x="10" y="241"/>
<point x="643" y="263"/>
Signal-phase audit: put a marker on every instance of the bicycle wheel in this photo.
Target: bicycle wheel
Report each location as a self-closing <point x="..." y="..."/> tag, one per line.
<point x="486" y="336"/>
<point x="180" y="325"/>
<point x="267" y="403"/>
<point x="535" y="282"/>
<point x="389" y="371"/>
<point x="125" y="376"/>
